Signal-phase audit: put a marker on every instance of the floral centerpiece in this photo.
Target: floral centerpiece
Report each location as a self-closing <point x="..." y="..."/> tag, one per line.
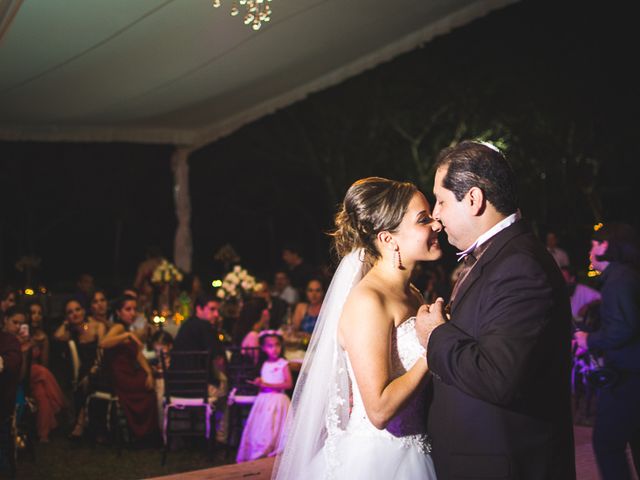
<point x="165" y="279"/>
<point x="166" y="272"/>
<point x="237" y="285"/>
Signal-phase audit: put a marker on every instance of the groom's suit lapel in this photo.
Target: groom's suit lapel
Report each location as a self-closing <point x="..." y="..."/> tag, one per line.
<point x="497" y="244"/>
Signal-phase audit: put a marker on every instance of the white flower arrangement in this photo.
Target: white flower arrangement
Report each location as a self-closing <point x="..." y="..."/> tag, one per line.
<point x="236" y="284"/>
<point x="166" y="272"/>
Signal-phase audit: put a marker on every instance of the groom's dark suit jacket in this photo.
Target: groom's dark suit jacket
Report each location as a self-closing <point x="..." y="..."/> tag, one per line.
<point x="501" y="367"/>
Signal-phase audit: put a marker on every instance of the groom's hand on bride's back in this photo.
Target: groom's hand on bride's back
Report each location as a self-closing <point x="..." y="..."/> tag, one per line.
<point x="428" y="318"/>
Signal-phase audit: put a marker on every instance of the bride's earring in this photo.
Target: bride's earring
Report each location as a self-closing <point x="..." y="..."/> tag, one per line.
<point x="396" y="253"/>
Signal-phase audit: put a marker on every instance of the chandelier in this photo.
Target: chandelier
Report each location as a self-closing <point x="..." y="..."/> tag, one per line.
<point x="256" y="12"/>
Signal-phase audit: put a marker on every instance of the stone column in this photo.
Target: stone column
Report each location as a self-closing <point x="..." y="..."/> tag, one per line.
<point x="183" y="244"/>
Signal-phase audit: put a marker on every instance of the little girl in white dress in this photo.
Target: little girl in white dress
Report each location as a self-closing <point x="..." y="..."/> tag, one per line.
<point x="262" y="434"/>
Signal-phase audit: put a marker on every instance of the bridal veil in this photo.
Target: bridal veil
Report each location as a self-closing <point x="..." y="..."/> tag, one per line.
<point x="319" y="409"/>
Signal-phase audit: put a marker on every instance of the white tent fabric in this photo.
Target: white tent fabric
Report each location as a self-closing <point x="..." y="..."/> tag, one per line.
<point x="182" y="72"/>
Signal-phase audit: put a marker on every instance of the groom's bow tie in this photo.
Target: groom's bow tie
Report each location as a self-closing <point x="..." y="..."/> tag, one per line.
<point x="469" y="258"/>
<point x="462" y="256"/>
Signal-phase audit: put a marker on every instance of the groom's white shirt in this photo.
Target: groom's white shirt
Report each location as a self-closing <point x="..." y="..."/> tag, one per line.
<point x="498" y="227"/>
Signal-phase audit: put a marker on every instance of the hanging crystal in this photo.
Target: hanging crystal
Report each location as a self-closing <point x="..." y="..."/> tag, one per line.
<point x="257" y="12"/>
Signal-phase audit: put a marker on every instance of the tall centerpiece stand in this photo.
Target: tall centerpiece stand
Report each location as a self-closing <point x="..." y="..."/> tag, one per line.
<point x="165" y="280"/>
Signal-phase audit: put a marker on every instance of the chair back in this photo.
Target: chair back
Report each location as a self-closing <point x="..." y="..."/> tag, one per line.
<point x="187" y="374"/>
<point x="242" y="365"/>
<point x="75" y="363"/>
<point x="25" y="379"/>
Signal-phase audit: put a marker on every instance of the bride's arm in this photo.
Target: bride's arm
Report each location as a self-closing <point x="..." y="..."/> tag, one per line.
<point x="365" y="331"/>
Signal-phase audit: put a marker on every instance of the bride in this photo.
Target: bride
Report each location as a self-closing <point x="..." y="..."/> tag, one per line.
<point x="358" y="410"/>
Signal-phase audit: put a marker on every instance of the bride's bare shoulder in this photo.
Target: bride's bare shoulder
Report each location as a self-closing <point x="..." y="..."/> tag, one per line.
<point x="365" y="301"/>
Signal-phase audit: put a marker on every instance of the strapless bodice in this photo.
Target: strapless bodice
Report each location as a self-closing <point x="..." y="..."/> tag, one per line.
<point x="409" y="425"/>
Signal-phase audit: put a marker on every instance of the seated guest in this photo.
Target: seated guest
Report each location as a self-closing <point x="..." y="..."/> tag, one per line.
<point x="84" y="289"/>
<point x="140" y="326"/>
<point x="306" y="313"/>
<point x="7" y="298"/>
<point x="85" y="333"/>
<point x="44" y="387"/>
<point x="100" y="308"/>
<point x="39" y="339"/>
<point x="10" y="367"/>
<point x="199" y="331"/>
<point x="253" y="318"/>
<point x="282" y="288"/>
<point x="130" y="373"/>
<point x="278" y="308"/>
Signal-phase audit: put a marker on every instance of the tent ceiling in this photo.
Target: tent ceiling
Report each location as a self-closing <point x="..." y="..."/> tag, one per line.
<point x="182" y="72"/>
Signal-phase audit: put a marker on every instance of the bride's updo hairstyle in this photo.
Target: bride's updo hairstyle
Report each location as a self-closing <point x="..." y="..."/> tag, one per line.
<point x="371" y="205"/>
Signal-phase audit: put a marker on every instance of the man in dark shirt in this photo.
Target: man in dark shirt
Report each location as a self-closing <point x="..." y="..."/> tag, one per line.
<point x="199" y="332"/>
<point x="615" y="253"/>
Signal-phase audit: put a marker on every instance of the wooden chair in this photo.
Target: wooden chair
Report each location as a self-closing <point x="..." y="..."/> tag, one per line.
<point x="8" y="445"/>
<point x="188" y="411"/>
<point x="241" y="366"/>
<point x="26" y="411"/>
<point x="101" y="400"/>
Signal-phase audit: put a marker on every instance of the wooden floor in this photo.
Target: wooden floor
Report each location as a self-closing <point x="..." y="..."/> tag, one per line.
<point x="585" y="462"/>
<point x="261" y="469"/>
<point x="258" y="470"/>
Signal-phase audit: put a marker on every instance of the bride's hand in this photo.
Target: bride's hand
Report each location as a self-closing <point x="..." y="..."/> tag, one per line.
<point x="428" y="318"/>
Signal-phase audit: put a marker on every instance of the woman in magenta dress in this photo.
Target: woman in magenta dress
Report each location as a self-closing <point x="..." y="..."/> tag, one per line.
<point x="131" y="375"/>
<point x="44" y="387"/>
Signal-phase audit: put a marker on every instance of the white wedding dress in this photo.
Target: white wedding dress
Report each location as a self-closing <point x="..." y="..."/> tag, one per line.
<point x="401" y="450"/>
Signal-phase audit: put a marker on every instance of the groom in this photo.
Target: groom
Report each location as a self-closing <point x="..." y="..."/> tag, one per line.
<point x="501" y="364"/>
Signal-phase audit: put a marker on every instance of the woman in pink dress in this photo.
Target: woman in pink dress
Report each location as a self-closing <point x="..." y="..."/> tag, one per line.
<point x="44" y="387"/>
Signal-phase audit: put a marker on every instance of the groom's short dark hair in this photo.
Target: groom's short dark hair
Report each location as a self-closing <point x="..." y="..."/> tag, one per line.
<point x="476" y="164"/>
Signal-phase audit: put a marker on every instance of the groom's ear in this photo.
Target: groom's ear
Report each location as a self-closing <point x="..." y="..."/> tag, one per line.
<point x="476" y="200"/>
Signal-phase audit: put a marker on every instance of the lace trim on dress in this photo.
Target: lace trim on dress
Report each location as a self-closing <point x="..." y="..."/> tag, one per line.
<point x="407" y="429"/>
<point x="336" y="403"/>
